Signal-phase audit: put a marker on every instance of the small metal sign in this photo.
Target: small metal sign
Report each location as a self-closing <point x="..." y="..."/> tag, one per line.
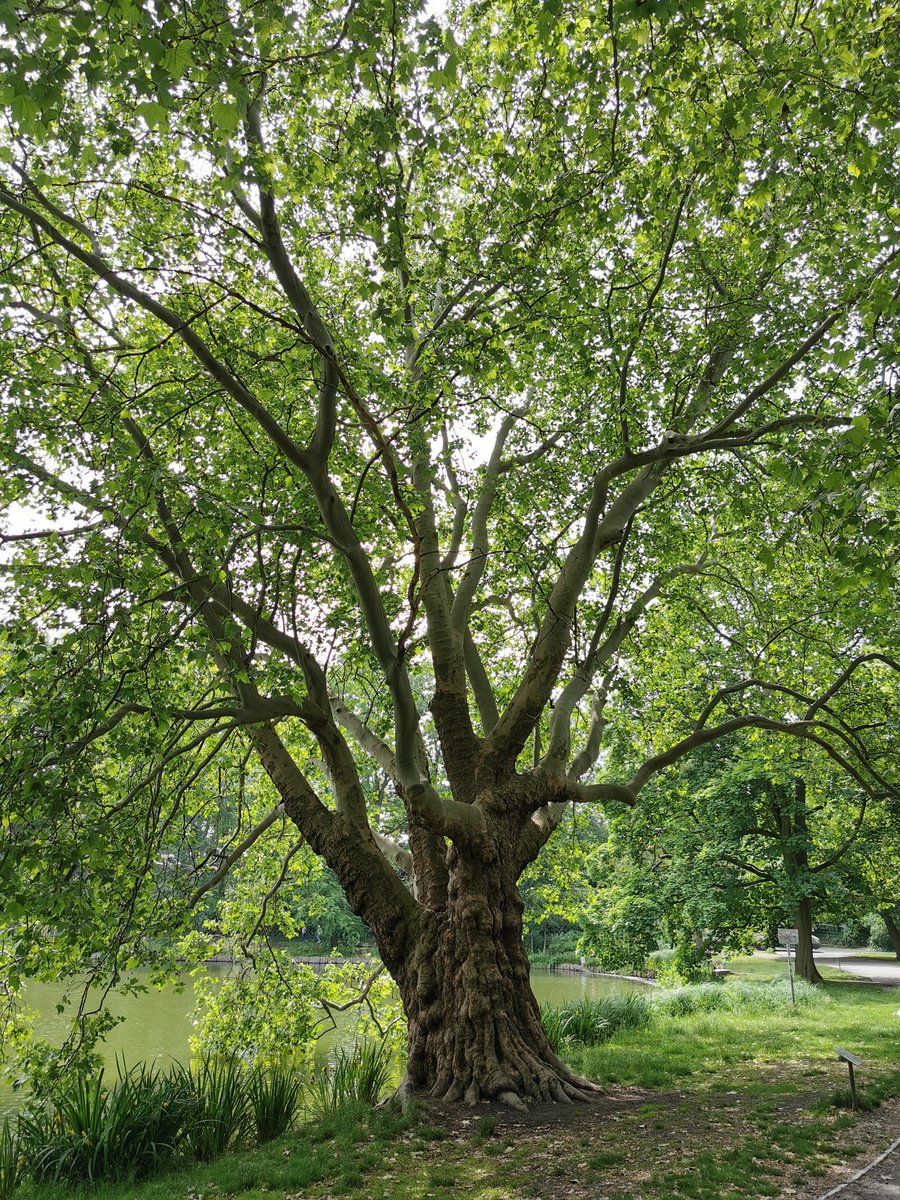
<point x="790" y="937"/>
<point x="848" y="1057"/>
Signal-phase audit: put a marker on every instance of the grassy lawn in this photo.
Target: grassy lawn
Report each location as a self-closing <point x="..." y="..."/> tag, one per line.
<point x="858" y="1017"/>
<point x="712" y="1106"/>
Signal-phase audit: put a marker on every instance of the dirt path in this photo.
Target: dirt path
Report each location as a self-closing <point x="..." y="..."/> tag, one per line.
<point x="637" y="1144"/>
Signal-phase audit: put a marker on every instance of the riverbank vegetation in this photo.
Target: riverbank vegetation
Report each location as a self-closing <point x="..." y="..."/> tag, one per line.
<point x="86" y="1130"/>
<point x="696" y="1081"/>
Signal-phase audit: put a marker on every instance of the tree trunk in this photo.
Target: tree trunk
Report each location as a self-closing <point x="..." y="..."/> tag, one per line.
<point x="806" y="966"/>
<point x="790" y="814"/>
<point x="893" y="930"/>
<point x="474" y="1025"/>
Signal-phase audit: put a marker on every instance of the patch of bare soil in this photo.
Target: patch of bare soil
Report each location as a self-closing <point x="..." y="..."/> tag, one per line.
<point x="628" y="1140"/>
<point x="870" y="1136"/>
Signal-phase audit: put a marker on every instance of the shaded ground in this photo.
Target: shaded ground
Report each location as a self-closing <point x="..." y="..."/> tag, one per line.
<point x="636" y="1144"/>
<point x="878" y="1181"/>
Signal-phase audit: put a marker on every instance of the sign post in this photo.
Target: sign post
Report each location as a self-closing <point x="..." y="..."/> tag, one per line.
<point x="788" y="938"/>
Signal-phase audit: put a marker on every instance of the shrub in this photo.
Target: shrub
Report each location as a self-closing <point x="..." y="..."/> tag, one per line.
<point x="879" y="938"/>
<point x="848" y="933"/>
<point x="560" y="948"/>
<point x="621" y="931"/>
<point x="689" y="963"/>
<point x="660" y="956"/>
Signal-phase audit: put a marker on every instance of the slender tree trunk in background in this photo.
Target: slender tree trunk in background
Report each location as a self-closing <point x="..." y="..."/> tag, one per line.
<point x="806" y="966"/>
<point x="893" y="932"/>
<point x="790" y="814"/>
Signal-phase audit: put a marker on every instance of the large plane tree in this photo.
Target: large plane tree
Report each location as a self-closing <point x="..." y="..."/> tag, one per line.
<point x="377" y="385"/>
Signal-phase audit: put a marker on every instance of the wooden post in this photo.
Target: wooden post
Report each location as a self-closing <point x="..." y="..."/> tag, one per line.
<point x="851" y="1060"/>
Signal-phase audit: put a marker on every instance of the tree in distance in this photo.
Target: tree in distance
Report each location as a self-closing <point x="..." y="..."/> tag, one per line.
<point x="388" y="385"/>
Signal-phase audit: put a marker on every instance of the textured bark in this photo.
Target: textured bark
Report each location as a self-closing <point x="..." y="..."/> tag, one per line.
<point x="791" y="816"/>
<point x="474" y="1027"/>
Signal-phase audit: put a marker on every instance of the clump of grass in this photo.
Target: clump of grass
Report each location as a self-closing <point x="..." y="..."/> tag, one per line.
<point x="866" y="1100"/>
<point x="591" y="1022"/>
<point x="219" y="1104"/>
<point x="690" y="998"/>
<point x="585" y="1023"/>
<point x="273" y="1093"/>
<point x="360" y="1074"/>
<point x="91" y="1131"/>
<point x="736" y="997"/>
<point x="869" y="1096"/>
<point x="625" y="1010"/>
<point x="485" y="1128"/>
<point x="554" y="1022"/>
<point x="10" y="1160"/>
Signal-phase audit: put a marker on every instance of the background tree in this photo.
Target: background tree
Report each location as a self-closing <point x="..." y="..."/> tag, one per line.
<point x="431" y="360"/>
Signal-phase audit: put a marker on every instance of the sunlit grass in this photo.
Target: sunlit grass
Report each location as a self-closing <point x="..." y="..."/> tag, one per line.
<point x="672" y="1049"/>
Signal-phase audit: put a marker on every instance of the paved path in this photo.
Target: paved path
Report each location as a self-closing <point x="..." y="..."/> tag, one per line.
<point x="885" y="971"/>
<point x="853" y="960"/>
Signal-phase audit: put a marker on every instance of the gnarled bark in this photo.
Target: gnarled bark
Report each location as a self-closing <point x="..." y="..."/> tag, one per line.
<point x="475" y="1031"/>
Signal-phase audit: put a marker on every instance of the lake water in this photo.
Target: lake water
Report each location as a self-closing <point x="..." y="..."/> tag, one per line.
<point x="157" y="1024"/>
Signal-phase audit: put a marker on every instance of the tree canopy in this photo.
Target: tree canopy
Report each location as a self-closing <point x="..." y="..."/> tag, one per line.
<point x="422" y="422"/>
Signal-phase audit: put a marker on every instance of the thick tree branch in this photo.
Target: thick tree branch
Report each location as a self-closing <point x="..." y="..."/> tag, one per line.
<point x="465" y="593"/>
<point x="296" y="293"/>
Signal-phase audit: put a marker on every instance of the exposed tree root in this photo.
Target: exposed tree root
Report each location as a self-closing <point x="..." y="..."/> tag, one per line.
<point x="403" y="1097"/>
<point x="534" y="1081"/>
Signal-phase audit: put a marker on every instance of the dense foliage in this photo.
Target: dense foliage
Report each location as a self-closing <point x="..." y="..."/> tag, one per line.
<point x="413" y="424"/>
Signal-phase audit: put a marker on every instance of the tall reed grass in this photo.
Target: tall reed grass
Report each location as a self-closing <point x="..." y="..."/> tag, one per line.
<point x="91" y="1130"/>
<point x="360" y="1074"/>
<point x="590" y="1022"/>
<point x="11" y="1162"/>
<point x="738" y="996"/>
<point x="219" y="1112"/>
<point x="273" y="1092"/>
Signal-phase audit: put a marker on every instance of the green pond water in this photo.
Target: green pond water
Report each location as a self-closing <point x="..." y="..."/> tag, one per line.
<point x="157" y="1023"/>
